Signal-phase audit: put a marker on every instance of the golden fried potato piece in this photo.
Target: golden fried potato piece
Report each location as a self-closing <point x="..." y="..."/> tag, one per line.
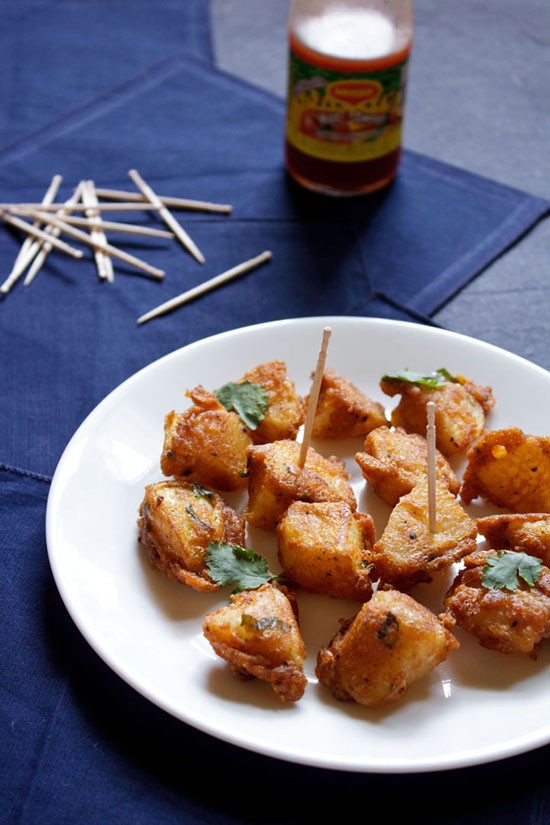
<point x="460" y="411"/>
<point x="390" y="644"/>
<point x="407" y="552"/>
<point x="394" y="461"/>
<point x="177" y="520"/>
<point x="285" y="413"/>
<point x="508" y="621"/>
<point x="324" y="547"/>
<point x="343" y="411"/>
<point x="275" y="480"/>
<point x="259" y="636"/>
<point x="206" y="443"/>
<point x="511" y="469"/>
<point x="529" y="532"/>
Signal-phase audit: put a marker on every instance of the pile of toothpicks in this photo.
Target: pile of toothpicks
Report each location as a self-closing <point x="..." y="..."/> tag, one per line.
<point x="43" y="223"/>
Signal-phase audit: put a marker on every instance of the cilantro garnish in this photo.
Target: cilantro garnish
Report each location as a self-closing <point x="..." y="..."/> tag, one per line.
<point x="200" y="491"/>
<point x="434" y="379"/>
<point x="197" y="518"/>
<point x="233" y="564"/>
<point x="248" y="400"/>
<point x="504" y="570"/>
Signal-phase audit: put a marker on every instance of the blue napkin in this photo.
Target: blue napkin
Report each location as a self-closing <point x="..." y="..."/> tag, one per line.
<point x="196" y="132"/>
<point x="56" y="56"/>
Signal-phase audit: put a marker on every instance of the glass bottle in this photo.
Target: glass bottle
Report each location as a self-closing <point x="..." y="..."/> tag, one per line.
<point x="346" y="92"/>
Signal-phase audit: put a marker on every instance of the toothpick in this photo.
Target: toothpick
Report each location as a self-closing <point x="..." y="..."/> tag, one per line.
<point x="116" y="226"/>
<point x="176" y="203"/>
<point x="430" y="435"/>
<point x="103" y="262"/>
<point x="23" y="257"/>
<point x="39" y="233"/>
<point x="314" y="397"/>
<point x="107" y="247"/>
<point x="190" y="294"/>
<point x="24" y="208"/>
<point x="44" y="250"/>
<point x="167" y="216"/>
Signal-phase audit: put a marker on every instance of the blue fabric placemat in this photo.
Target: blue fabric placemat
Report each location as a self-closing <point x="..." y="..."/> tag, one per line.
<point x="56" y="56"/>
<point x="78" y="745"/>
<point x="81" y="747"/>
<point x="196" y="132"/>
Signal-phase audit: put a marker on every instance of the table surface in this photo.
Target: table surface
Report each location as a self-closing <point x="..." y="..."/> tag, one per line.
<point x="477" y="99"/>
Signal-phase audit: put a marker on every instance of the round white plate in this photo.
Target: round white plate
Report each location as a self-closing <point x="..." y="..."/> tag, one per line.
<point x="476" y="707"/>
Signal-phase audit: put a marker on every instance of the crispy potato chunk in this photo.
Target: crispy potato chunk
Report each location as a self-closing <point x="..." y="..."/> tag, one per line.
<point x="275" y="481"/>
<point x="529" y="532"/>
<point x="206" y="443"/>
<point x="285" y="413"/>
<point x="508" y="621"/>
<point x="177" y="520"/>
<point x="460" y="411"/>
<point x="259" y="636"/>
<point x="343" y="411"/>
<point x="407" y="552"/>
<point x="394" y="461"/>
<point x="510" y="469"/>
<point x="391" y="643"/>
<point x="324" y="547"/>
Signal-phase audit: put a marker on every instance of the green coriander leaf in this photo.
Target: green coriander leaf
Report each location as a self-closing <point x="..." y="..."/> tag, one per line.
<point x="200" y="491"/>
<point x="264" y="623"/>
<point x="197" y="518"/>
<point x="248" y="400"/>
<point x="434" y="380"/>
<point x="233" y="564"/>
<point x="504" y="570"/>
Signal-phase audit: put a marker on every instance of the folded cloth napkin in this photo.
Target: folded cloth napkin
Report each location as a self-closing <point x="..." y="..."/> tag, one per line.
<point x="80" y="747"/>
<point x="58" y="55"/>
<point x="196" y="132"/>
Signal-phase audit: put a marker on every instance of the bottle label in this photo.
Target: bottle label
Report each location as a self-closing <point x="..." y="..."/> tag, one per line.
<point x="343" y="115"/>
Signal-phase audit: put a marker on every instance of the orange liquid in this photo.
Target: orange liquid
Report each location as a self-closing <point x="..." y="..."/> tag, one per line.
<point x="335" y="176"/>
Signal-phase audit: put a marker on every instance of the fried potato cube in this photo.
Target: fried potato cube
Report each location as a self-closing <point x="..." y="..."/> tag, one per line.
<point x="206" y="444"/>
<point x="324" y="547"/>
<point x="460" y="411"/>
<point x="394" y="461"/>
<point x="511" y="469"/>
<point x="407" y="552"/>
<point x="259" y="636"/>
<point x="286" y="412"/>
<point x="343" y="410"/>
<point x="391" y="643"/>
<point x="508" y="621"/>
<point x="177" y="520"/>
<point x="529" y="532"/>
<point x="275" y="480"/>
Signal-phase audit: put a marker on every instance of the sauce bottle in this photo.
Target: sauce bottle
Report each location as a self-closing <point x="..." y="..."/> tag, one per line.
<point x="346" y="92"/>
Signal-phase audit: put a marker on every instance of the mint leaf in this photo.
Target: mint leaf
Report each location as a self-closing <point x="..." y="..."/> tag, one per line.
<point x="504" y="570"/>
<point x="433" y="380"/>
<point x="248" y="400"/>
<point x="233" y="564"/>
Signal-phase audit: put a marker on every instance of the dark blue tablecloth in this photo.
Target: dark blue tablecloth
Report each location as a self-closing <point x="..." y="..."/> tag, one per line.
<point x="78" y="745"/>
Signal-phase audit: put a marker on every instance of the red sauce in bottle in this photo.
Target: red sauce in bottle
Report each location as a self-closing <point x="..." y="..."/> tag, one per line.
<point x="345" y="113"/>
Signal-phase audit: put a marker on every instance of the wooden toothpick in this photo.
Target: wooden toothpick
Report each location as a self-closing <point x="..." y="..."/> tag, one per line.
<point x="194" y="292"/>
<point x="314" y="397"/>
<point x="30" y="245"/>
<point x="167" y="200"/>
<point x="103" y="261"/>
<point x="166" y="216"/>
<point x="430" y="436"/>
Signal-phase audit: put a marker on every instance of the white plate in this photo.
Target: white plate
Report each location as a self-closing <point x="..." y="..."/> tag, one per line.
<point x="476" y="707"/>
